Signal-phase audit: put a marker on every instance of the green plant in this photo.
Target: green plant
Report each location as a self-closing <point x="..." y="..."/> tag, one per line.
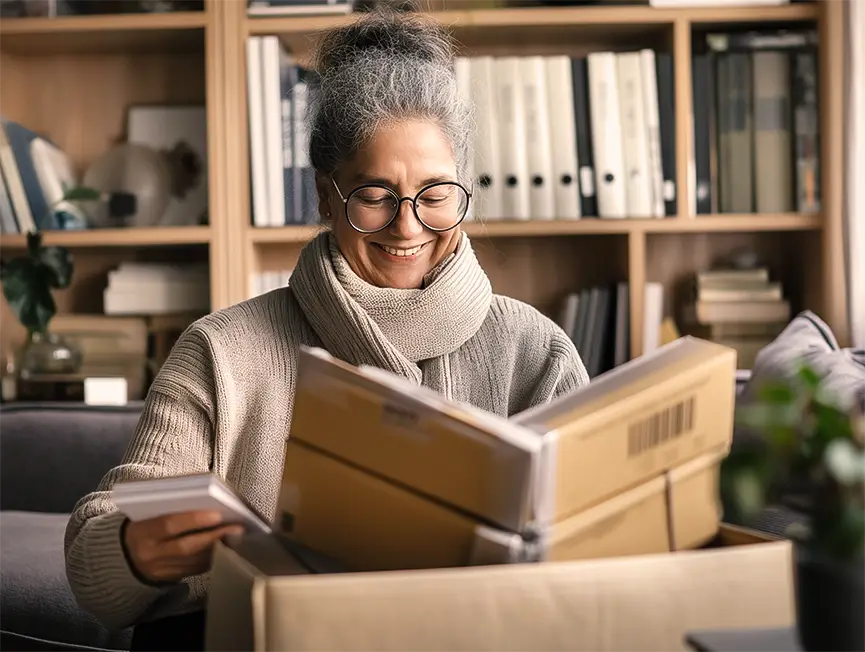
<point x="28" y="280"/>
<point x="809" y="442"/>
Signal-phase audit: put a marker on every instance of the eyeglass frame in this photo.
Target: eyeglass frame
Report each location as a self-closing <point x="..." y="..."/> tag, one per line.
<point x="399" y="201"/>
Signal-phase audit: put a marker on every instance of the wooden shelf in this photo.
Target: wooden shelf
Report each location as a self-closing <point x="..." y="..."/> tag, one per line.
<point x="733" y="14"/>
<point x="525" y="17"/>
<point x="125" y="33"/>
<point x="586" y="226"/>
<point x="199" y="57"/>
<point x="126" y="237"/>
<point x="282" y="234"/>
<point x="737" y="223"/>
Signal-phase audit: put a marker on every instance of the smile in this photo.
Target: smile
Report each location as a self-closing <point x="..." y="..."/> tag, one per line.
<point x="401" y="252"/>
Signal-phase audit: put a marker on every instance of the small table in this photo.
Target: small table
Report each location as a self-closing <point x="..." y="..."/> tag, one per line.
<point x="781" y="639"/>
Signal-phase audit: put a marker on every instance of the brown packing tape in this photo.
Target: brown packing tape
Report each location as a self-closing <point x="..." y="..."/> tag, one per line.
<point x="694" y="504"/>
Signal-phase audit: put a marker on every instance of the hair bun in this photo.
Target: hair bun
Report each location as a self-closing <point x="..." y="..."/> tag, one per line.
<point x="383" y="31"/>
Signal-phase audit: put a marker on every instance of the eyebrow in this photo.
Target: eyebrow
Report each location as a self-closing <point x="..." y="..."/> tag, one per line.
<point x="364" y="178"/>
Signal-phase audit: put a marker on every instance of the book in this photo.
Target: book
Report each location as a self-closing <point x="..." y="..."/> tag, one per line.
<point x="144" y="499"/>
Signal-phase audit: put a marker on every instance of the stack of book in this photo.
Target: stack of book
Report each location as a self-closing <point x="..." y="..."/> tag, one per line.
<point x="739" y="308"/>
<point x="136" y="288"/>
<point x="756" y="128"/>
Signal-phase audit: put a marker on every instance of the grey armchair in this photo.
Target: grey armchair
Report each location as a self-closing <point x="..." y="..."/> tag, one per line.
<point x="50" y="456"/>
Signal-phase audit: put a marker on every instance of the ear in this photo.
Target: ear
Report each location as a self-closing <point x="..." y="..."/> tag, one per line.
<point x="324" y="189"/>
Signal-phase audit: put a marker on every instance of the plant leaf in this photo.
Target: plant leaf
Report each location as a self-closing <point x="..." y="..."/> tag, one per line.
<point x="744" y="483"/>
<point x="810" y="377"/>
<point x="58" y="264"/>
<point x="777" y="393"/>
<point x="34" y="242"/>
<point x="81" y="193"/>
<point x="28" y="293"/>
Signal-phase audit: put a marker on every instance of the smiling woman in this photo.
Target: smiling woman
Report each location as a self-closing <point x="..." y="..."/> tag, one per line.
<point x="387" y="123"/>
<point x="397" y="229"/>
<point x="393" y="283"/>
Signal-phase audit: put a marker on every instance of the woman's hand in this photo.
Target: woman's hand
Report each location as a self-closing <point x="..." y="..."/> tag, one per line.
<point x="172" y="547"/>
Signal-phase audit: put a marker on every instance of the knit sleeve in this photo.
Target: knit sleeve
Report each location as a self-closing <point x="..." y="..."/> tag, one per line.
<point x="562" y="373"/>
<point x="567" y="369"/>
<point x="174" y="435"/>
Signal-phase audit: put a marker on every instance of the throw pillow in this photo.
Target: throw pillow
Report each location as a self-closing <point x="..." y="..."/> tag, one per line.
<point x="808" y="339"/>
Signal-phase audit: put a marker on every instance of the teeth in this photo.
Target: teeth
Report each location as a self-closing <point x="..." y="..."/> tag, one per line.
<point x="401" y="252"/>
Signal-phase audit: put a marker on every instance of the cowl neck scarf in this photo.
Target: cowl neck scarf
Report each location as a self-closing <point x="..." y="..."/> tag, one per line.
<point x="390" y="328"/>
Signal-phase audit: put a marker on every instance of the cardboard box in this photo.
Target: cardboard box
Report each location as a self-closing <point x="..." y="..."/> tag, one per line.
<point x="369" y="523"/>
<point x="262" y="597"/>
<point x="410" y="434"/>
<point x="628" y="426"/>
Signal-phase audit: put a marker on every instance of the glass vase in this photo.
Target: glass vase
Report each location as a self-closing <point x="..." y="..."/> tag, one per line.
<point x="48" y="354"/>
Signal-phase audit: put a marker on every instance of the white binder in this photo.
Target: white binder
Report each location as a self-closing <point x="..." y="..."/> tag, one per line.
<point x="635" y="141"/>
<point x="487" y="152"/>
<point x="607" y="135"/>
<point x="512" y="134"/>
<point x="563" y="137"/>
<point x="539" y="161"/>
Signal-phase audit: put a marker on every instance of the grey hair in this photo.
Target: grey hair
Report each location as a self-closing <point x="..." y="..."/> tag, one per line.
<point x="383" y="68"/>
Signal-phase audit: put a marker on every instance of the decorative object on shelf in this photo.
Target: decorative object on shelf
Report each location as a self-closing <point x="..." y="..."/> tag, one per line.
<point x="133" y="171"/>
<point x="28" y="282"/>
<point x="47" y="354"/>
<point x="179" y="133"/>
<point x="812" y="445"/>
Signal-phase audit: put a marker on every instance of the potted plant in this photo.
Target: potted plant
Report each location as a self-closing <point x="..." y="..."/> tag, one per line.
<point x="28" y="283"/>
<point x="813" y="448"/>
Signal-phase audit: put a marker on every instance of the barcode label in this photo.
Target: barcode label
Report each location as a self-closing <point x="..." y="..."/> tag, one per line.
<point x="661" y="427"/>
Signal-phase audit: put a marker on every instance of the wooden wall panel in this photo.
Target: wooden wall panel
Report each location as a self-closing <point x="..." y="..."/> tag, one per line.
<point x="81" y="101"/>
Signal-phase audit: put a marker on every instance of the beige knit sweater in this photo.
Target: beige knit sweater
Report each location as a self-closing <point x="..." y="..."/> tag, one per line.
<point x="223" y="402"/>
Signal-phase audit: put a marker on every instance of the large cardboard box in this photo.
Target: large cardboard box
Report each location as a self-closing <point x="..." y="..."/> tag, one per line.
<point x="262" y="597"/>
<point x="369" y="523"/>
<point x="522" y="474"/>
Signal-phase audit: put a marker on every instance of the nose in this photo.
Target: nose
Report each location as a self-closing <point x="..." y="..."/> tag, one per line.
<point x="406" y="225"/>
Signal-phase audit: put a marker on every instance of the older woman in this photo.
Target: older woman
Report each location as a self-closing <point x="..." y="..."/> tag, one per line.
<point x="393" y="282"/>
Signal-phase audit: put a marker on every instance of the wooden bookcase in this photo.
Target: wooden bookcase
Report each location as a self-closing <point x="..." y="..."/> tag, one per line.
<point x="74" y="77"/>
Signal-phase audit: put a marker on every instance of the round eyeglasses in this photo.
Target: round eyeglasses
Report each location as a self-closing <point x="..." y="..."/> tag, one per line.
<point x="440" y="206"/>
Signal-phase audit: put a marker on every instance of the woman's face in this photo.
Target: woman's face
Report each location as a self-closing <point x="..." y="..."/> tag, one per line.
<point x="404" y="157"/>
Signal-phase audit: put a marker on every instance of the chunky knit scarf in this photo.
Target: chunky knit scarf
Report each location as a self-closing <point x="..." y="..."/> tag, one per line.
<point x="393" y="329"/>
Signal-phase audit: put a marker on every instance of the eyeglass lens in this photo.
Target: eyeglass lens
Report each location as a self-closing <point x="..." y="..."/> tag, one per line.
<point x="439" y="207"/>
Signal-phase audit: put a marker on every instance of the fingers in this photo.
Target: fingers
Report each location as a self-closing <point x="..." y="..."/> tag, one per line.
<point x="175" y="525"/>
<point x="184" y="556"/>
<point x="191" y="545"/>
<point x="160" y="549"/>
